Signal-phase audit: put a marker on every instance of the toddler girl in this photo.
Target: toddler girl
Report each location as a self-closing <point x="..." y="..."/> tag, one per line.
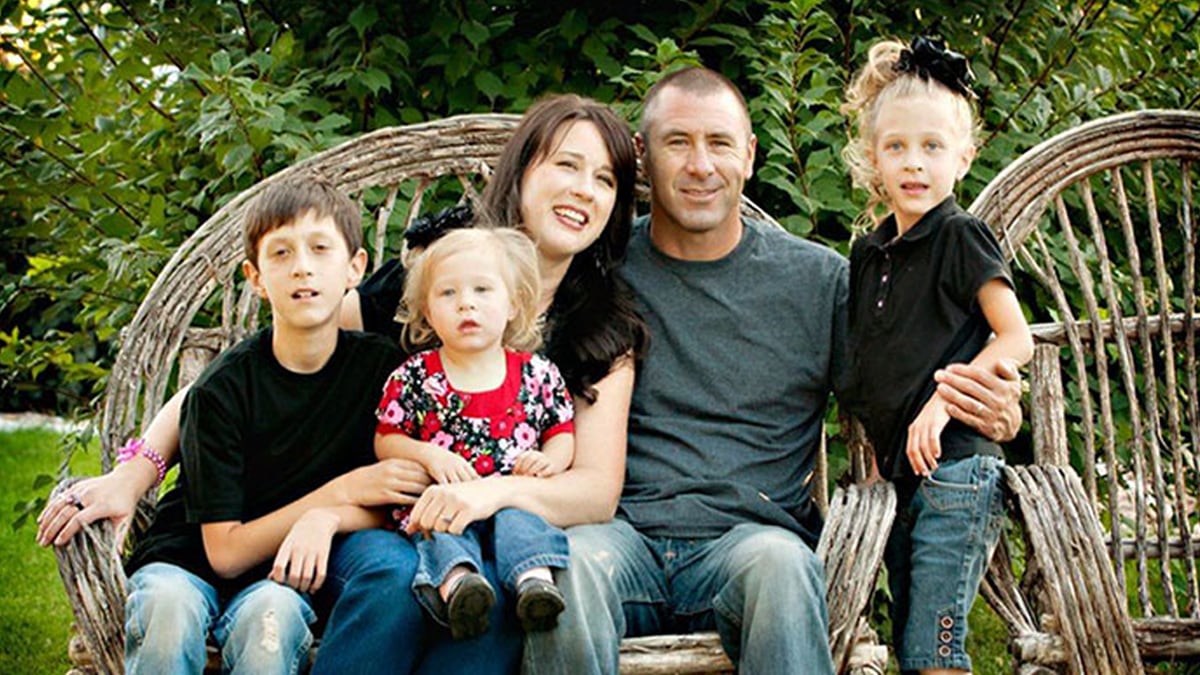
<point x="479" y="404"/>
<point x="927" y="287"/>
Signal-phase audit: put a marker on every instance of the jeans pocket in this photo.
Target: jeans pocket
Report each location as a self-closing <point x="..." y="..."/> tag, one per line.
<point x="953" y="486"/>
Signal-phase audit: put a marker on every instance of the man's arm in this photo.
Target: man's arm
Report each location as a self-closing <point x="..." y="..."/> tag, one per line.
<point x="987" y="400"/>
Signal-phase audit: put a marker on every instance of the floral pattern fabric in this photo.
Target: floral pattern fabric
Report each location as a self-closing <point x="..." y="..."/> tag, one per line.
<point x="489" y="429"/>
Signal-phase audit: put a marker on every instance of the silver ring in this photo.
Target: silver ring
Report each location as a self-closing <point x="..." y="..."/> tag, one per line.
<point x="447" y="519"/>
<point x="74" y="500"/>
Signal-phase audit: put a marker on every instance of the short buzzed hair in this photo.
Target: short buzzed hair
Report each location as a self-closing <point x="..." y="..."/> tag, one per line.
<point x="693" y="80"/>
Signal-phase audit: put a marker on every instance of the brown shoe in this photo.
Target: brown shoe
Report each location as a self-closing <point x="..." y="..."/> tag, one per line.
<point x="539" y="602"/>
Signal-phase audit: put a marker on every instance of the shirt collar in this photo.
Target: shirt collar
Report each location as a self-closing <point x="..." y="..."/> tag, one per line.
<point x="884" y="235"/>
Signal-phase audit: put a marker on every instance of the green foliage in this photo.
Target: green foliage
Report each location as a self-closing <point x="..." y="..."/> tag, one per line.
<point x="123" y="126"/>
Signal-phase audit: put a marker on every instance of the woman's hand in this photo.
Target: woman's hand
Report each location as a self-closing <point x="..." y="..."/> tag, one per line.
<point x="987" y="401"/>
<point x="114" y="496"/>
<point x="454" y="506"/>
<point x="303" y="557"/>
<point x="386" y="482"/>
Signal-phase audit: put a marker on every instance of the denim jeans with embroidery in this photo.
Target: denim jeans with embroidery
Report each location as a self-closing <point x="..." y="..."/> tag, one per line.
<point x="936" y="556"/>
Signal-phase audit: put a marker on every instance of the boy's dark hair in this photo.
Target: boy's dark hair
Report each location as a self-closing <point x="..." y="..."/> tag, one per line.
<point x="284" y="201"/>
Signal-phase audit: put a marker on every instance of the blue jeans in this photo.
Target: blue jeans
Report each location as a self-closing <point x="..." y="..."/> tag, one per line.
<point x="936" y="556"/>
<point x="377" y="626"/>
<point x="760" y="586"/>
<point x="169" y="612"/>
<point x="517" y="540"/>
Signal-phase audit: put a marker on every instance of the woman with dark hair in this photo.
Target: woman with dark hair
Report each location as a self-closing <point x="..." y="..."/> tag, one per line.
<point x="566" y="178"/>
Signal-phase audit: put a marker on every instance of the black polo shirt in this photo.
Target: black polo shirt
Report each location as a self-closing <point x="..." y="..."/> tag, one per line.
<point x="914" y="309"/>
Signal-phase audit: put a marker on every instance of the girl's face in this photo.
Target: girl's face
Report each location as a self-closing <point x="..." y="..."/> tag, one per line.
<point x="567" y="196"/>
<point x="922" y="147"/>
<point x="468" y="303"/>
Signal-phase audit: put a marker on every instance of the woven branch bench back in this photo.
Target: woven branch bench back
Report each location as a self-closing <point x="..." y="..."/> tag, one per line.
<point x="1102" y="222"/>
<point x="395" y="174"/>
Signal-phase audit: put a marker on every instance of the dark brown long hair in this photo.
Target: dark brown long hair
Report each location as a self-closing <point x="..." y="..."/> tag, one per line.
<point x="593" y="322"/>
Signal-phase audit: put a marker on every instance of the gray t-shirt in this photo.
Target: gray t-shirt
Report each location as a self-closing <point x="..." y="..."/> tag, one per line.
<point x="727" y="410"/>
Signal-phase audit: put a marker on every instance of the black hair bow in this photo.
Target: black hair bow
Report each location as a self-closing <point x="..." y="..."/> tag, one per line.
<point x="928" y="57"/>
<point x="430" y="227"/>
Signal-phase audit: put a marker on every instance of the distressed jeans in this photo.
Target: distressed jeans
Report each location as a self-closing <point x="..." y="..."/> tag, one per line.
<point x="263" y="629"/>
<point x="761" y="587"/>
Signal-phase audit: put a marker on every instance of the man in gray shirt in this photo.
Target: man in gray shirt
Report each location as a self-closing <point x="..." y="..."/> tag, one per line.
<point x="716" y="526"/>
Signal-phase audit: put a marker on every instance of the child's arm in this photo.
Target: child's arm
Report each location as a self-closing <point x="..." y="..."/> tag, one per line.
<point x="1013" y="343"/>
<point x="303" y="557"/>
<point x="234" y="547"/>
<point x="554" y="457"/>
<point x="444" y="466"/>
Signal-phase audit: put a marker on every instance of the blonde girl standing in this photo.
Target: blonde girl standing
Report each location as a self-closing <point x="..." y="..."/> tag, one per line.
<point x="928" y="285"/>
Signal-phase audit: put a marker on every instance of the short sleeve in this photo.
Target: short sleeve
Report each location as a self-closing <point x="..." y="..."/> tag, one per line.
<point x="549" y="391"/>
<point x="211" y="457"/>
<point x="379" y="296"/>
<point x="972" y="259"/>
<point x="396" y="413"/>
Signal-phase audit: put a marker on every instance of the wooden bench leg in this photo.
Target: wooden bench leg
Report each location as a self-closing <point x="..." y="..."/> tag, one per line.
<point x="1074" y="589"/>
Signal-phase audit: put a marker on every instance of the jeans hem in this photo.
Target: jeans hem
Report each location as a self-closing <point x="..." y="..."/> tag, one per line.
<point x="552" y="560"/>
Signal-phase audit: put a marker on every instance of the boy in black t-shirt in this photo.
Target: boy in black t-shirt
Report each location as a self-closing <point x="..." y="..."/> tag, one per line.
<point x="269" y="435"/>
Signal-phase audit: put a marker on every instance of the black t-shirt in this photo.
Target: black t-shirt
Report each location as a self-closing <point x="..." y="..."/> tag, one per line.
<point x="913" y="309"/>
<point x="256" y="437"/>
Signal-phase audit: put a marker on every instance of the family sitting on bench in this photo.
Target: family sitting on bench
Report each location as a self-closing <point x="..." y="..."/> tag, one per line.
<point x="699" y="350"/>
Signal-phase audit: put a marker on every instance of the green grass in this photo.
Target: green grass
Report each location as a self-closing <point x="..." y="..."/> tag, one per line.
<point x="35" y="618"/>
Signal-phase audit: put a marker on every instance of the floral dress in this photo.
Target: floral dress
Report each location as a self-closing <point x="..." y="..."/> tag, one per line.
<point x="489" y="429"/>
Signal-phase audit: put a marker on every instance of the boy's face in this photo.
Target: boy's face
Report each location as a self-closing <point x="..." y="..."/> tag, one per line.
<point x="921" y="149"/>
<point x="303" y="271"/>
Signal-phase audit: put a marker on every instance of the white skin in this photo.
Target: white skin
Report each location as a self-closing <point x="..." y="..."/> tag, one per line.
<point x="303" y="270"/>
<point x="585" y="493"/>
<point x="468" y="305"/>
<point x="589" y="490"/>
<point x="922" y="148"/>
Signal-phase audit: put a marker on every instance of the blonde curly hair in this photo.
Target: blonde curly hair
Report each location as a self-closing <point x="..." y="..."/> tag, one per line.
<point x="878" y="83"/>
<point x="519" y="269"/>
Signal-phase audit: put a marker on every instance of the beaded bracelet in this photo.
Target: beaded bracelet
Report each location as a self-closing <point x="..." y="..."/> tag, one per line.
<point x="137" y="446"/>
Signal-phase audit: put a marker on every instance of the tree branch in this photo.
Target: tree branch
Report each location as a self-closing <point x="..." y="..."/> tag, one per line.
<point x="153" y="38"/>
<point x="250" y="45"/>
<point x="1050" y="64"/>
<point x="1003" y="37"/>
<point x="74" y="172"/>
<point x="108" y="55"/>
<point x="36" y="73"/>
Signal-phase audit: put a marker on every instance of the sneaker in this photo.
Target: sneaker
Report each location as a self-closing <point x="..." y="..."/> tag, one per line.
<point x="539" y="602"/>
<point x="468" y="607"/>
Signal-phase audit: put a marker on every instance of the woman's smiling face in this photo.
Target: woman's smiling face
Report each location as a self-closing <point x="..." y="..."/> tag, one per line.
<point x="567" y="195"/>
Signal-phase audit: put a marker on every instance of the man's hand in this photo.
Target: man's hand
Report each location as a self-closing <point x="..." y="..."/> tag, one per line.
<point x="113" y="496"/>
<point x="924" y="446"/>
<point x="987" y="401"/>
<point x="303" y="557"/>
<point x="386" y="482"/>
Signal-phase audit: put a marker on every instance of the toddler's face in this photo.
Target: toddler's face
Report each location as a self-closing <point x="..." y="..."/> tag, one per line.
<point x="468" y="304"/>
<point x="922" y="148"/>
